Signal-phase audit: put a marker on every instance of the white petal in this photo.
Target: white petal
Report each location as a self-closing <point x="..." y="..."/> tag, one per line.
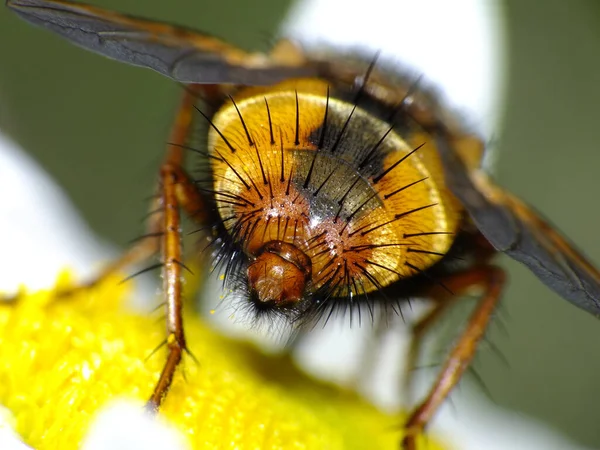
<point x="126" y="426"/>
<point x="40" y="231"/>
<point x="457" y="45"/>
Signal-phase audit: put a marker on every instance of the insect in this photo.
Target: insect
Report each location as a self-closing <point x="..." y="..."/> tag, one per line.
<point x="332" y="184"/>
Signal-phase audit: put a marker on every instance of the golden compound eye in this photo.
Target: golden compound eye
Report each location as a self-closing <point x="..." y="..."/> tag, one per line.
<point x="296" y="165"/>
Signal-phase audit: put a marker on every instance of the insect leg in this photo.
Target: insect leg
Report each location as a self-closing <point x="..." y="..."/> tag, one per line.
<point x="177" y="191"/>
<point x="418" y="331"/>
<point x="492" y="279"/>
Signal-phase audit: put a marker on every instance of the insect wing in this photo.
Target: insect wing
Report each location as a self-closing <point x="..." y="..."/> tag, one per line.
<point x="514" y="228"/>
<point x="179" y="53"/>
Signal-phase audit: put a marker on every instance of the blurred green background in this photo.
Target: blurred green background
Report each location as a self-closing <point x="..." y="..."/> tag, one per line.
<point x="99" y="127"/>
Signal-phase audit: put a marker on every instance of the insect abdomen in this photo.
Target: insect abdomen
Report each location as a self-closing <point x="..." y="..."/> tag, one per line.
<point x="295" y="165"/>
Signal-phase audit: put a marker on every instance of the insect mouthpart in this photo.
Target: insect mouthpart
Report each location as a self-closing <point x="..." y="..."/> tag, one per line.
<point x="278" y="276"/>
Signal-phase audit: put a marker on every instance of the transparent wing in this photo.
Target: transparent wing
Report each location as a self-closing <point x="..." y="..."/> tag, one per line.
<point x="514" y="228"/>
<point x="182" y="54"/>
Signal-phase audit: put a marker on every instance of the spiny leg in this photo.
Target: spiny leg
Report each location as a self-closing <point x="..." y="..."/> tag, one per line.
<point x="177" y="191"/>
<point x="418" y="331"/>
<point x="492" y="279"/>
<point x="172" y="267"/>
